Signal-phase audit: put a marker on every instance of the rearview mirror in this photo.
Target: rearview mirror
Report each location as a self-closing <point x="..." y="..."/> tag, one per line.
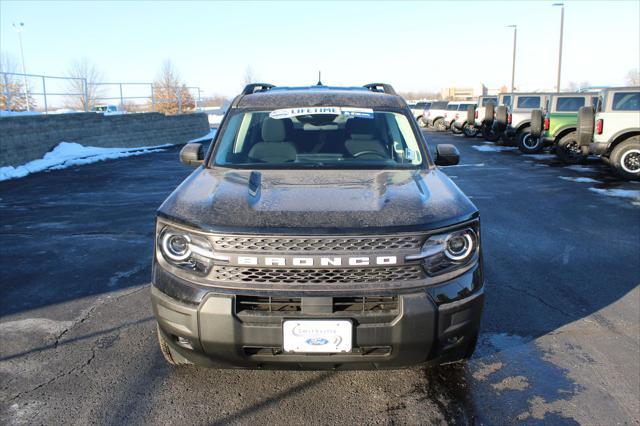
<point x="447" y="155"/>
<point x="192" y="154"/>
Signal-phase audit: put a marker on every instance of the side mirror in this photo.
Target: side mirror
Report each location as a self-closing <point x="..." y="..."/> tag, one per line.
<point x="447" y="155"/>
<point x="192" y="154"/>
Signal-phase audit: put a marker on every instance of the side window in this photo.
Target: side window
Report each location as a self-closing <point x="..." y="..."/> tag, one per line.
<point x="569" y="104"/>
<point x="506" y="100"/>
<point x="486" y="101"/>
<point x="626" y="101"/>
<point x="528" y="102"/>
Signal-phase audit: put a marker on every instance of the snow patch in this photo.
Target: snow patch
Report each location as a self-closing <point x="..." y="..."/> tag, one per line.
<point x="67" y="154"/>
<point x="580" y="179"/>
<point x="621" y="193"/>
<point x="580" y="168"/>
<point x="206" y="138"/>
<point x="493" y="148"/>
<point x="467" y="165"/>
<point x="541" y="156"/>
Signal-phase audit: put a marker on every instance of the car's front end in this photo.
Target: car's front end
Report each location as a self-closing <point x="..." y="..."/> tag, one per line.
<point x="293" y="248"/>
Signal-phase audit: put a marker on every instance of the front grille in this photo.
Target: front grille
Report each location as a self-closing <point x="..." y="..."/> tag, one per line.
<point x="350" y="304"/>
<point x="260" y="244"/>
<point x="316" y="276"/>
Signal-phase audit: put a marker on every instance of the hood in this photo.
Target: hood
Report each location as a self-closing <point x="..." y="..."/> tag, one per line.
<point x="317" y="201"/>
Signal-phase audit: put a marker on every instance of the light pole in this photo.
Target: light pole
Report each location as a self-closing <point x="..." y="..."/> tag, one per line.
<point x="560" y="49"/>
<point x="513" y="63"/>
<point x="19" y="28"/>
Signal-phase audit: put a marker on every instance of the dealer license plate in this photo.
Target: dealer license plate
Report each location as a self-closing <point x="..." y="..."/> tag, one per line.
<point x="325" y="336"/>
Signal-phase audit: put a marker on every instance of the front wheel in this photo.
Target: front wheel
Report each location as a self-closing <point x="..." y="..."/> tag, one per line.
<point x="469" y="130"/>
<point x="529" y="144"/>
<point x="625" y="158"/>
<point x="568" y="149"/>
<point x="439" y="125"/>
<point x="421" y="122"/>
<point x="489" y="134"/>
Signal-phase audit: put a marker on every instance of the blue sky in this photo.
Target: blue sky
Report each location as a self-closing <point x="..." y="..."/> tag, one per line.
<point x="413" y="45"/>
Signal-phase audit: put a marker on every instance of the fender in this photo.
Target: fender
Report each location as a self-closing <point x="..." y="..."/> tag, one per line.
<point x="622" y="135"/>
<point x="564" y="130"/>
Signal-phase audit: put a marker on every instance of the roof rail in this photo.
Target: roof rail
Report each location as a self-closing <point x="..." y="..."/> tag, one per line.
<point x="381" y="87"/>
<point x="256" y="87"/>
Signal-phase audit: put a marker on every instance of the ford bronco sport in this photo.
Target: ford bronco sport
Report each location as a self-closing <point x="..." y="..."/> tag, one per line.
<point x="317" y="233"/>
<point x="613" y="132"/>
<point x="494" y="119"/>
<point x="556" y="128"/>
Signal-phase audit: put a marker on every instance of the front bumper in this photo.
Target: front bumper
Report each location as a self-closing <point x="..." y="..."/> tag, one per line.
<point x="429" y="326"/>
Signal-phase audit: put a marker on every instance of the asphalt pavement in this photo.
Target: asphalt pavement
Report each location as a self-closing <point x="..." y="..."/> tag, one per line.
<point x="560" y="339"/>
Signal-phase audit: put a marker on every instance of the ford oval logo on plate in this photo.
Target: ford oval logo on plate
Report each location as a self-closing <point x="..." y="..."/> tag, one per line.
<point x="317" y="341"/>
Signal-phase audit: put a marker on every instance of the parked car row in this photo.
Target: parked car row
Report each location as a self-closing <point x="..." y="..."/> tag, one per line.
<point x="572" y="125"/>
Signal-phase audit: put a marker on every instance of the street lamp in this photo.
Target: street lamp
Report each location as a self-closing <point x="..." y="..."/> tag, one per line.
<point x="560" y="49"/>
<point x="513" y="64"/>
<point x="19" y="28"/>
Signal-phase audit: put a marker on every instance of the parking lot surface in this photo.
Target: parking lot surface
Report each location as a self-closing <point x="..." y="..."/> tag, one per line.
<point x="560" y="334"/>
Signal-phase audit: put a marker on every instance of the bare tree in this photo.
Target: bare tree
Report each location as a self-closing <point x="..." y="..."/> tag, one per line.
<point x="13" y="96"/>
<point x="633" y="77"/>
<point x="83" y="69"/>
<point x="249" y="75"/>
<point x="170" y="92"/>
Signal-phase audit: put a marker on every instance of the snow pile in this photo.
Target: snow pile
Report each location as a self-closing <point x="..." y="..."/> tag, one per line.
<point x="67" y="154"/>
<point x="5" y="113"/>
<point x="541" y="156"/>
<point x="493" y="148"/>
<point x="580" y="179"/>
<point x="205" y="138"/>
<point x="622" y="193"/>
<point x="578" y="168"/>
<point x="215" y="119"/>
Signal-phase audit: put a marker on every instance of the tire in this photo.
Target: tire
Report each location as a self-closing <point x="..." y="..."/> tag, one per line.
<point x="170" y="357"/>
<point x="586" y="125"/>
<point x="439" y="125"/>
<point x="568" y="149"/>
<point x="527" y="143"/>
<point x="489" y="113"/>
<point x="501" y="117"/>
<point x="421" y="122"/>
<point x="469" y="131"/>
<point x="454" y="130"/>
<point x="625" y="158"/>
<point x="471" y="115"/>
<point x="489" y="134"/>
<point x="537" y="123"/>
<point x="505" y="139"/>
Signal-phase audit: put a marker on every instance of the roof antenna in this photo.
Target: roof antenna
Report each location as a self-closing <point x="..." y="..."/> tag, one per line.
<point x="319" y="79"/>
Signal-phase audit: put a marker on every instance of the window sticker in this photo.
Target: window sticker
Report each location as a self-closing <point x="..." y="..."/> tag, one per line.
<point x="279" y="114"/>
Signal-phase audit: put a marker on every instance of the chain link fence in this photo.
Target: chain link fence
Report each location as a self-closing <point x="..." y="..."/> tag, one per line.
<point x="52" y="94"/>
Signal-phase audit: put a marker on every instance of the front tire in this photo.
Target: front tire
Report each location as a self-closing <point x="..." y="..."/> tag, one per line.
<point x="625" y="159"/>
<point x="529" y="144"/>
<point x="439" y="125"/>
<point x="469" y="131"/>
<point x="489" y="134"/>
<point x="454" y="129"/>
<point x="568" y="149"/>
<point x="421" y="122"/>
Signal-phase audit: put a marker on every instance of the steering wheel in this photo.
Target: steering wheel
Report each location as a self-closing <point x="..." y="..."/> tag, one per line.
<point x="376" y="153"/>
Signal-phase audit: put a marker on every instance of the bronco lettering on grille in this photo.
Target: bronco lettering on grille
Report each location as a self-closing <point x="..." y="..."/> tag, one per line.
<point x="314" y="261"/>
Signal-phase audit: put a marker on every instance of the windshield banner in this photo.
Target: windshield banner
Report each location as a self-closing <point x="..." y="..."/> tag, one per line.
<point x="279" y="114"/>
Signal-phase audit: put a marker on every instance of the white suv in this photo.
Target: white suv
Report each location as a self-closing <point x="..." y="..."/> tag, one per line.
<point x="613" y="132"/>
<point x="434" y="115"/>
<point x="417" y="109"/>
<point x="458" y="121"/>
<point x="519" y="119"/>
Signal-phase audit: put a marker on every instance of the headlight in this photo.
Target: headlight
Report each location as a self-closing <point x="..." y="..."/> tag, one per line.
<point x="186" y="250"/>
<point x="445" y="252"/>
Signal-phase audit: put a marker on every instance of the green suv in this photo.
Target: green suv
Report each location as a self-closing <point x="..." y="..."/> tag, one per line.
<point x="557" y="127"/>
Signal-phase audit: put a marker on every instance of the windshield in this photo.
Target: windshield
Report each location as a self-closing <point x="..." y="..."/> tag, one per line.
<point x="333" y="137"/>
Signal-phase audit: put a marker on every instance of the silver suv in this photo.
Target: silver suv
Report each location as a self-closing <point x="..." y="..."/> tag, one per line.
<point x="613" y="132"/>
